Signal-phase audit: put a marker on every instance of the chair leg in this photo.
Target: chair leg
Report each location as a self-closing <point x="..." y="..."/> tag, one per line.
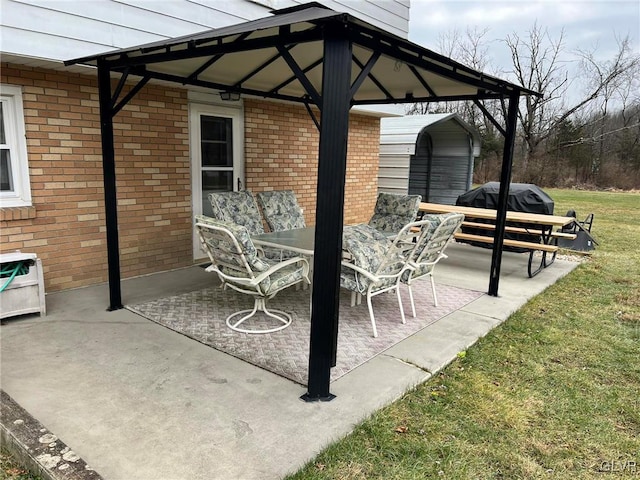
<point x="373" y="320"/>
<point x="413" y="305"/>
<point x="259" y="305"/>
<point x="404" y="320"/>
<point x="433" y="289"/>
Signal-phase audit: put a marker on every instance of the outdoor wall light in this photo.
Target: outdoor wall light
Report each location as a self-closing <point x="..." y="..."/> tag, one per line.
<point x="230" y="96"/>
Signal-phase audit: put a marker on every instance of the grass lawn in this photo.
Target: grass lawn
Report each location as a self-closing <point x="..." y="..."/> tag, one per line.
<point x="554" y="392"/>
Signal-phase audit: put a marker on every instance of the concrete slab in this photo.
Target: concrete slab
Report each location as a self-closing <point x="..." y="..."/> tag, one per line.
<point x="138" y="401"/>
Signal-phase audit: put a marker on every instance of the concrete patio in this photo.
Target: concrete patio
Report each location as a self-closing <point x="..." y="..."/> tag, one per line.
<point x="138" y="401"/>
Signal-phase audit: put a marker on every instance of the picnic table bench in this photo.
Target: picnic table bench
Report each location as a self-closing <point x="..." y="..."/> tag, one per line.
<point x="537" y="229"/>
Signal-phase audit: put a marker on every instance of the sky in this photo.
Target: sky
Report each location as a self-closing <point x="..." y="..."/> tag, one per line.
<point x="587" y="24"/>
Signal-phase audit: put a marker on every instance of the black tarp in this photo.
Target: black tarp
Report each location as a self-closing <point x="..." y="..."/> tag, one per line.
<point x="523" y="197"/>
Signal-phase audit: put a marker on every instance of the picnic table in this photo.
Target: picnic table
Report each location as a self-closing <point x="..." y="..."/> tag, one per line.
<point x="539" y="229"/>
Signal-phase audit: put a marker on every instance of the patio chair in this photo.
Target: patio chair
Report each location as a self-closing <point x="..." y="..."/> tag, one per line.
<point x="430" y="250"/>
<point x="281" y="210"/>
<point x="235" y="259"/>
<point x="237" y="207"/>
<point x="393" y="211"/>
<point x="375" y="263"/>
<point x="241" y="208"/>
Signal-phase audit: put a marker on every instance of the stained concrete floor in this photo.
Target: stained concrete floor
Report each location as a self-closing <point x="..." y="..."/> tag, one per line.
<point x="138" y="401"/>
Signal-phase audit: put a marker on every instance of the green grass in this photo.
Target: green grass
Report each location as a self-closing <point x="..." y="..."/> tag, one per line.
<point x="551" y="393"/>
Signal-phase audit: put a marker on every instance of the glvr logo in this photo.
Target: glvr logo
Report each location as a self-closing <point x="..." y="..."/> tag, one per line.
<point x="619" y="466"/>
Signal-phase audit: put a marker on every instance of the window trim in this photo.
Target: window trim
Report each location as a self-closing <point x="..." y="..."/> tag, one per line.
<point x="16" y="139"/>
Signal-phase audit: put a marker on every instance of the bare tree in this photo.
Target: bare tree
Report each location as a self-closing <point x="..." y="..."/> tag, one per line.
<point x="575" y="126"/>
<point x="612" y="84"/>
<point x="538" y="65"/>
<point x="470" y="48"/>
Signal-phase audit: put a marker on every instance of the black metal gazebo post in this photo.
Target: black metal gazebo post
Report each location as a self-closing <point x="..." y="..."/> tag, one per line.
<point x="332" y="165"/>
<point x="503" y="195"/>
<point x="109" y="181"/>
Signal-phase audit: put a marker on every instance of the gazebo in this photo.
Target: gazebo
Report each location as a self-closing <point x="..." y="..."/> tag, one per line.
<point x="318" y="57"/>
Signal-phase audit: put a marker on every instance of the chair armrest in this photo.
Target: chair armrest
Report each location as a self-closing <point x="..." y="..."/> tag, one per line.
<point x="263" y="275"/>
<point x="413" y="265"/>
<point x="280" y="265"/>
<point x="360" y="270"/>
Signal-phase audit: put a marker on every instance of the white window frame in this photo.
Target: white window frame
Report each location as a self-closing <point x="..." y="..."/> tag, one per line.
<point x="13" y="117"/>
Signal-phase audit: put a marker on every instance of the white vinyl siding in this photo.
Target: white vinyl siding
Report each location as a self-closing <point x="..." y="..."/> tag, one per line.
<point x="63" y="29"/>
<point x="15" y="190"/>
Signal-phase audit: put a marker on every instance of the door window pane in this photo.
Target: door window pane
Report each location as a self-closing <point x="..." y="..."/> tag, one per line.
<point x="216" y="141"/>
<point x="6" y="178"/>
<point x="214" y="181"/>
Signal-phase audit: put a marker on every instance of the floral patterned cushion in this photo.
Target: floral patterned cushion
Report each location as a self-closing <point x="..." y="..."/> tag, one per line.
<point x="443" y="227"/>
<point x="392" y="212"/>
<point x="281" y="210"/>
<point x="223" y="249"/>
<point x="282" y="277"/>
<point x="237" y="207"/>
<point x="366" y="246"/>
<point x="371" y="250"/>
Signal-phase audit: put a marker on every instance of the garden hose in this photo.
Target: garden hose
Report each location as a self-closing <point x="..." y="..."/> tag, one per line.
<point x="11" y="270"/>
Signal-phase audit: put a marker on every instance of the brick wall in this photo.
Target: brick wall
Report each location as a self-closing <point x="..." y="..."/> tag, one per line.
<point x="281" y="151"/>
<point x="66" y="225"/>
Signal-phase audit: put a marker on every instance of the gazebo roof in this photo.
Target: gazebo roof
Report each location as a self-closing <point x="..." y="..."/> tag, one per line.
<point x="258" y="57"/>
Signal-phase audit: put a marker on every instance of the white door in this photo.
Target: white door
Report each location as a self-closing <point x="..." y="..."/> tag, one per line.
<point x="217" y="160"/>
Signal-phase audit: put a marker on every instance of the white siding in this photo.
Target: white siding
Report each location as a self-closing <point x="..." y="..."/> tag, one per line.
<point x="64" y="29"/>
<point x="60" y="29"/>
<point x="390" y="15"/>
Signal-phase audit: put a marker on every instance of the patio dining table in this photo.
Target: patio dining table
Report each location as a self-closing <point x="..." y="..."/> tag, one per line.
<point x="297" y="240"/>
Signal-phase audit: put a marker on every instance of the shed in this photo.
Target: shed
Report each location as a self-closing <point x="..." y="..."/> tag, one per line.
<point x="431" y="155"/>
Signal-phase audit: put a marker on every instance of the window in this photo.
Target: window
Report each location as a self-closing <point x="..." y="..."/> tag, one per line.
<point x="14" y="168"/>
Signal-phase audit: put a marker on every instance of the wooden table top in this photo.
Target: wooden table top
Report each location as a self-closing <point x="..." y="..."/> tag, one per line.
<point x="491" y="214"/>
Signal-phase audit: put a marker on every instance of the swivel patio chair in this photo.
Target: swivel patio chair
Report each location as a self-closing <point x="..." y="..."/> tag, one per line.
<point x="392" y="211"/>
<point x="375" y="263"/>
<point x="430" y="251"/>
<point x="235" y="259"/>
<point x="281" y="210"/>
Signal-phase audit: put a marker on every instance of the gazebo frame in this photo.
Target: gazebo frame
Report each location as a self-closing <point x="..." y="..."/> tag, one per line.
<point x="314" y="56"/>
